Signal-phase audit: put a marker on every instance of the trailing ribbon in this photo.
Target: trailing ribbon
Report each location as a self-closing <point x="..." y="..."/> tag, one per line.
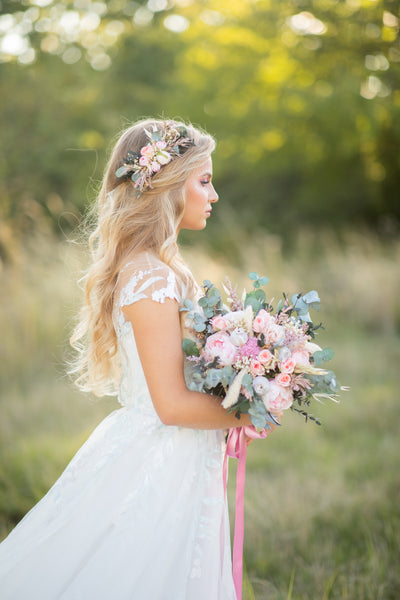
<point x="236" y="447"/>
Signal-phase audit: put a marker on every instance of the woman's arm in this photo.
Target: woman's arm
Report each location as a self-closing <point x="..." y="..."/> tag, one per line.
<point x="158" y="339"/>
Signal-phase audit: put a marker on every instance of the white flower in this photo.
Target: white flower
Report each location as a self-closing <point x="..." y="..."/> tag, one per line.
<point x="261" y="385"/>
<point x="311" y="347"/>
<point x="284" y="353"/>
<point x="240" y="318"/>
<point x="163" y="157"/>
<point x="239" y="336"/>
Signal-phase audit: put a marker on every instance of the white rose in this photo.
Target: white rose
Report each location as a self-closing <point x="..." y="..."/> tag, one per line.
<point x="239" y="337"/>
<point x="260" y="385"/>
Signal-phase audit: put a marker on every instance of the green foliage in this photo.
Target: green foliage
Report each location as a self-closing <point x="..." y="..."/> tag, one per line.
<point x="321" y="512"/>
<point x="302" y="98"/>
<point x="190" y="348"/>
<point x="322" y="355"/>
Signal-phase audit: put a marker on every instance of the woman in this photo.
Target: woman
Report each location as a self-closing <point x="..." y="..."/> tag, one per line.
<point x="140" y="512"/>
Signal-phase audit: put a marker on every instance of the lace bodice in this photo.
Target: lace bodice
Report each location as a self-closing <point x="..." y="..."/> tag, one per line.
<point x="144" y="277"/>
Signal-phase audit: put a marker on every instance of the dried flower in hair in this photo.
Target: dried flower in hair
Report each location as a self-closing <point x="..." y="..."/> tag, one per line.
<point x="166" y="142"/>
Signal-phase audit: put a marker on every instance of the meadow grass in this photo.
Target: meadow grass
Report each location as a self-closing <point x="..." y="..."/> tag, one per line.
<point x="322" y="516"/>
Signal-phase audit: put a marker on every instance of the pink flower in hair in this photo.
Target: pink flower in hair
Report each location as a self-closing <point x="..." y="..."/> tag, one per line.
<point x="161" y="144"/>
<point x="147" y="151"/>
<point x="155" y="166"/>
<point x="143" y="161"/>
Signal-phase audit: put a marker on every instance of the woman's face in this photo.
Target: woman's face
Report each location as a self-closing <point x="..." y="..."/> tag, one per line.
<point x="200" y="195"/>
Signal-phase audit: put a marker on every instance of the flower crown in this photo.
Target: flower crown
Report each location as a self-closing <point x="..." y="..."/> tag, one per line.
<point x="165" y="143"/>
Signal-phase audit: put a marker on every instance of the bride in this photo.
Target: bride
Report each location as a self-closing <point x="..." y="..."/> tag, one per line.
<point x="140" y="512"/>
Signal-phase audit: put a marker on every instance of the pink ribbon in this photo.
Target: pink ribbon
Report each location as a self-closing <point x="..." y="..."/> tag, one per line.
<point x="236" y="447"/>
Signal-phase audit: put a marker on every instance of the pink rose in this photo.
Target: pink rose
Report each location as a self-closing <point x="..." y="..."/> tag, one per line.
<point x="155" y="166"/>
<point x="161" y="144"/>
<point x="143" y="160"/>
<point x="288" y="365"/>
<point x="218" y="322"/>
<point x="256" y="368"/>
<point x="283" y="379"/>
<point x="262" y="321"/>
<point x="219" y="345"/>
<point x="265" y="357"/>
<point x="301" y="357"/>
<point x="277" y="398"/>
<point x="147" y="151"/>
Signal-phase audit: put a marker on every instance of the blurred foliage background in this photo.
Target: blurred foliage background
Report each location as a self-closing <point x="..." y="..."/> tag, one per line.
<point x="303" y="97"/>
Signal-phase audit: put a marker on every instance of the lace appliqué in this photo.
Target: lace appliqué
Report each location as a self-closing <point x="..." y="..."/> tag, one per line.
<point x="132" y="293"/>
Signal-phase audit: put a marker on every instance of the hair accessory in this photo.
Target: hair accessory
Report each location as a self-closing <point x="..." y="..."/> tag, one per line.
<point x="165" y="143"/>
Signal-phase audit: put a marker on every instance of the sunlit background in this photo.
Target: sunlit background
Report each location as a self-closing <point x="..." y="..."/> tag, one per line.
<point x="303" y="97"/>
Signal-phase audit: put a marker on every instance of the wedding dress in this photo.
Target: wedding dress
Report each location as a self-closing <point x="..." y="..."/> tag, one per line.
<point x="139" y="513"/>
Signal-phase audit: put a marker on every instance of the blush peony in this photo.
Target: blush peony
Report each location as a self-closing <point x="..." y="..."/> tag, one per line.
<point x="218" y="345"/>
<point x="277" y="398"/>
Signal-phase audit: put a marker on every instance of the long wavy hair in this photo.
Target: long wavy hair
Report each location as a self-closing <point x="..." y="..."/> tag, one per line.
<point x="125" y="224"/>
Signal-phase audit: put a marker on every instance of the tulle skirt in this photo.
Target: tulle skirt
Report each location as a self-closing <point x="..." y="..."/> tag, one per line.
<point x="138" y="514"/>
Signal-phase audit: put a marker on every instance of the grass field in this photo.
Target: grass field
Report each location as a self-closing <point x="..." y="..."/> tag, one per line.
<point x="322" y="507"/>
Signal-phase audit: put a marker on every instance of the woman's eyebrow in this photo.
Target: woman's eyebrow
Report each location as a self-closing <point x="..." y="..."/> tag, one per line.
<point x="206" y="175"/>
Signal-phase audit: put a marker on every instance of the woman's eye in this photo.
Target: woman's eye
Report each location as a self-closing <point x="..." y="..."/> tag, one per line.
<point x="204" y="182"/>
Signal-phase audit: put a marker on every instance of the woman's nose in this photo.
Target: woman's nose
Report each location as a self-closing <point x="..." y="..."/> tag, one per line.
<point x="213" y="195"/>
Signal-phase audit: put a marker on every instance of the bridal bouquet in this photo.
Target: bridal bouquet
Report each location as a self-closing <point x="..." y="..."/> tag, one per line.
<point x="259" y="360"/>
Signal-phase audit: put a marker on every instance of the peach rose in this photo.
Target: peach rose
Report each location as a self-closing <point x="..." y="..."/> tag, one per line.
<point x="265" y="357"/>
<point x="288" y="365"/>
<point x="143" y="160"/>
<point x="218" y="322"/>
<point x="218" y="345"/>
<point x="283" y="379"/>
<point x="256" y="368"/>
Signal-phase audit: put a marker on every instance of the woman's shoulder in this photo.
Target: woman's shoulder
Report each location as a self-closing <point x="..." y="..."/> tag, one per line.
<point x="145" y="275"/>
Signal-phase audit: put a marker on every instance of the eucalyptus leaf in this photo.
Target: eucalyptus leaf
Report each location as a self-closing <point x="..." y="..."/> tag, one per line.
<point x="253" y="276"/>
<point x="227" y="375"/>
<point x="213" y="378"/>
<point x="190" y="347"/>
<point x="312" y="300"/>
<point x="253" y="302"/>
<point x="318" y="358"/>
<point x="123" y="171"/>
<point x="189" y="304"/>
<point x="328" y="354"/>
<point x="263" y="280"/>
<point x="247" y="383"/>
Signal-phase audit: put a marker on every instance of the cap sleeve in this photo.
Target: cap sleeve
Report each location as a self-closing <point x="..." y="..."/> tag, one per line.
<point x="147" y="278"/>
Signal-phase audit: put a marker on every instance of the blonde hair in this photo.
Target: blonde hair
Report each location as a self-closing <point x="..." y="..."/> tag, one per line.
<point x="124" y="225"/>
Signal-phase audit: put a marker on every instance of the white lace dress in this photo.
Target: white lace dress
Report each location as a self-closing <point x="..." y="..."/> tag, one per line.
<point x="139" y="513"/>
